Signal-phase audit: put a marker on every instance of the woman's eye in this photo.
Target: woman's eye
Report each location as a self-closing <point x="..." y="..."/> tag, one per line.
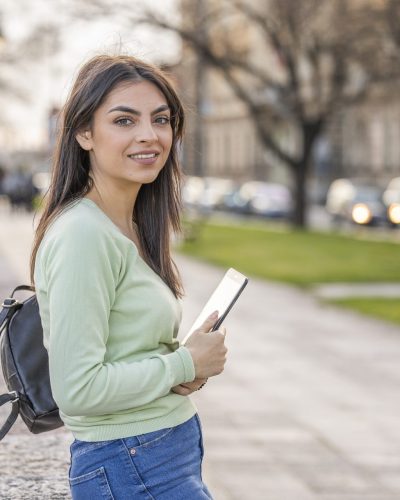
<point x="162" y="120"/>
<point x="123" y="122"/>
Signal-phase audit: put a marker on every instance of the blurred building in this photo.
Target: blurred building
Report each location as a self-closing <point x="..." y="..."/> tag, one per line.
<point x="366" y="136"/>
<point x="361" y="140"/>
<point x="369" y="138"/>
<point x="221" y="139"/>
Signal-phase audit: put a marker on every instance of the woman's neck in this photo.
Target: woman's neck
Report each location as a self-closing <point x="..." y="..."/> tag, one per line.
<point x="118" y="207"/>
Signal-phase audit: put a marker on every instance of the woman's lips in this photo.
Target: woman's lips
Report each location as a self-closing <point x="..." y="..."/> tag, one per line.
<point x="144" y="158"/>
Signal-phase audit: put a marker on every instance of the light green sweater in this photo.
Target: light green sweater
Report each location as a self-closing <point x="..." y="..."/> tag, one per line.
<point x="110" y="326"/>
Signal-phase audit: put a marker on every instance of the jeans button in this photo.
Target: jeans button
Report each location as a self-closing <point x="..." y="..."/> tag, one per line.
<point x="132" y="451"/>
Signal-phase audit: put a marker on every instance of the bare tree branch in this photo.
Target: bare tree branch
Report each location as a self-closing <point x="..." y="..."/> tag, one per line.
<point x="325" y="53"/>
<point x="227" y="62"/>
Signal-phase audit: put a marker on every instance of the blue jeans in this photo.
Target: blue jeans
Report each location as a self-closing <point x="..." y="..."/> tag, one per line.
<point x="160" y="465"/>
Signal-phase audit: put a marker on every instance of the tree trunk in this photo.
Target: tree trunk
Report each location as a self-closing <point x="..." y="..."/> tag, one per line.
<point x="301" y="169"/>
<point x="300" y="204"/>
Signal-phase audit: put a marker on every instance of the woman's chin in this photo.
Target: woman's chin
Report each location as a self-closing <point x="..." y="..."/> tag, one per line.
<point x="147" y="178"/>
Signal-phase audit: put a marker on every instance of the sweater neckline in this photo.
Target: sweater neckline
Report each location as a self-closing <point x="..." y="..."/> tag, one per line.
<point x="92" y="203"/>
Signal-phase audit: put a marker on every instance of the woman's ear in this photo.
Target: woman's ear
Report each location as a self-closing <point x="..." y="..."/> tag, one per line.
<point x="84" y="139"/>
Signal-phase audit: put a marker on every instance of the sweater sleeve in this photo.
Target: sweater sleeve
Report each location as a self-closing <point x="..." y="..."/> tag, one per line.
<point x="82" y="268"/>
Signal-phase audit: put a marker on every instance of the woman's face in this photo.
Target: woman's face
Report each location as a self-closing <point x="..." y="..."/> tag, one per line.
<point x="131" y="135"/>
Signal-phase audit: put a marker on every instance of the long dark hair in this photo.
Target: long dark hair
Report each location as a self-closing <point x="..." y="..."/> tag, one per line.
<point x="157" y="207"/>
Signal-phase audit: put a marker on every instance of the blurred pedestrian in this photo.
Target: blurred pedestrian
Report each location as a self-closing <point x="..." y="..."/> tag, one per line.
<point x="108" y="289"/>
<point x="2" y="175"/>
<point x="3" y="196"/>
<point x="19" y="188"/>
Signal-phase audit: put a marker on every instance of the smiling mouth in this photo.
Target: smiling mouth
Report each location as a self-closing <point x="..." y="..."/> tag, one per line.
<point x="142" y="156"/>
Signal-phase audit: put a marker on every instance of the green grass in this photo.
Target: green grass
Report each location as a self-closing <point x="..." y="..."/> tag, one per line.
<point x="384" y="308"/>
<point x="303" y="258"/>
<point x="297" y="257"/>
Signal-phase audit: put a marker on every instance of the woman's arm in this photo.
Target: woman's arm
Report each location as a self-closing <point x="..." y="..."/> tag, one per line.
<point x="82" y="270"/>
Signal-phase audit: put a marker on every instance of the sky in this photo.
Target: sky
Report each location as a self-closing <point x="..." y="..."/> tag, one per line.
<point x="46" y="81"/>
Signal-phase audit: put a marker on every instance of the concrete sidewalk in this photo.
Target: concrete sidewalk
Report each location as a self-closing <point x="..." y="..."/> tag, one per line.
<point x="347" y="290"/>
<point x="306" y="409"/>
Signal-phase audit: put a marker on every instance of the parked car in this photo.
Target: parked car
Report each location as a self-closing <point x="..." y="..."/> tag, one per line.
<point x="391" y="198"/>
<point x="215" y="190"/>
<point x="20" y="190"/>
<point x="357" y="202"/>
<point x="206" y="193"/>
<point x="261" y="198"/>
<point x="192" y="191"/>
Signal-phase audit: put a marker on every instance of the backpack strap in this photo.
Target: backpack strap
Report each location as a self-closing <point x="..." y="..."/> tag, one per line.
<point x="25" y="288"/>
<point x="12" y="417"/>
<point x="9" y="306"/>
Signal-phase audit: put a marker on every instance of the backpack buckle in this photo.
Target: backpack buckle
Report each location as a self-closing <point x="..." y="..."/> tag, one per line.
<point x="8" y="303"/>
<point x="15" y="394"/>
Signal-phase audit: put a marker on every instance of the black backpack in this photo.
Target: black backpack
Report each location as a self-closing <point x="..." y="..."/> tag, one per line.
<point x="25" y="365"/>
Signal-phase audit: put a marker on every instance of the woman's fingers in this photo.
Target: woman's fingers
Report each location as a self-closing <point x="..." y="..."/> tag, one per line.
<point x="209" y="322"/>
<point x="208" y="352"/>
<point x="189" y="387"/>
<point x="182" y="391"/>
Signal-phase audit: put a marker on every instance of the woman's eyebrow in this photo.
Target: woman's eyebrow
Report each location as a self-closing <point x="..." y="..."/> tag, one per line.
<point x="127" y="109"/>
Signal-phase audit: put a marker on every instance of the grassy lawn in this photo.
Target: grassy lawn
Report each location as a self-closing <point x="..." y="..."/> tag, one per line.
<point x="384" y="308"/>
<point x="303" y="258"/>
<point x="298" y="257"/>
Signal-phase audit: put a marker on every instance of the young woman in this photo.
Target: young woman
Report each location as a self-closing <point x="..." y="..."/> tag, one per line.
<point x="108" y="290"/>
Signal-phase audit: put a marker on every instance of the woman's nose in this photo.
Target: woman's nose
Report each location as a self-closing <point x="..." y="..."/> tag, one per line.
<point x="145" y="132"/>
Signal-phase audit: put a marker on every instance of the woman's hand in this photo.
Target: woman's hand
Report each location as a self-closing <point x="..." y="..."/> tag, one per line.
<point x="207" y="349"/>
<point x="189" y="387"/>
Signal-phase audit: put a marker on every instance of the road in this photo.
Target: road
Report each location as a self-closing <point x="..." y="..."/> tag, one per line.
<point x="306" y="409"/>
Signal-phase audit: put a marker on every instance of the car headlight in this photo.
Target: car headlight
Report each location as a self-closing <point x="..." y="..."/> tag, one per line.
<point x="361" y="214"/>
<point x="394" y="213"/>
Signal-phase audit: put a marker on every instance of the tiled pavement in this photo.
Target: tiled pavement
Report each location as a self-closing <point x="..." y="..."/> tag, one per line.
<point x="307" y="408"/>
